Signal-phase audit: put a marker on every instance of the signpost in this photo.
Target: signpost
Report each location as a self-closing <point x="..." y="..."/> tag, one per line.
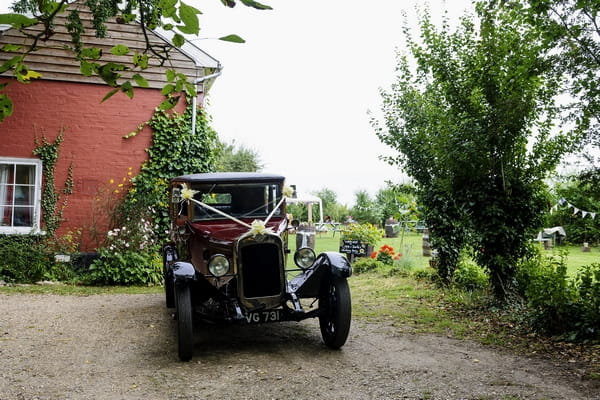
<point x="353" y="248"/>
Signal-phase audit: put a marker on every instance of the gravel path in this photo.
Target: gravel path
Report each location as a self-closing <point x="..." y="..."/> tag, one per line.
<point x="123" y="347"/>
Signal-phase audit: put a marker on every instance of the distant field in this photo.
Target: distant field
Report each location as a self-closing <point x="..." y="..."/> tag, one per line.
<point x="411" y="246"/>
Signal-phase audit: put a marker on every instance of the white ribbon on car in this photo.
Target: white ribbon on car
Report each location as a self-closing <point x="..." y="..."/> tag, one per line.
<point x="258" y="227"/>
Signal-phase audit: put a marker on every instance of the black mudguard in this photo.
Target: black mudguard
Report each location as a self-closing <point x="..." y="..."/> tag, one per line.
<point x="183" y="272"/>
<point x="327" y="265"/>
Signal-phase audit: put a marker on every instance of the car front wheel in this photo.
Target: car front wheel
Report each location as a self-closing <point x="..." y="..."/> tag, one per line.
<point x="336" y="313"/>
<point x="185" y="328"/>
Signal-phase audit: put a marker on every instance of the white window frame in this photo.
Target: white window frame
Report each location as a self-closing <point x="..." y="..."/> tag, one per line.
<point x="37" y="202"/>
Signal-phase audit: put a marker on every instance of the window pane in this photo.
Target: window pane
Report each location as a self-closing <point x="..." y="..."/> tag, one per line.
<point x="25" y="175"/>
<point x="24" y="195"/>
<point x="23" y="216"/>
<point x="5" y="173"/>
<point x="6" y="195"/>
<point x="5" y="216"/>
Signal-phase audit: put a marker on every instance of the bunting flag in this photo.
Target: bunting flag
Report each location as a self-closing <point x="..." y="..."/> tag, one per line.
<point x="576" y="210"/>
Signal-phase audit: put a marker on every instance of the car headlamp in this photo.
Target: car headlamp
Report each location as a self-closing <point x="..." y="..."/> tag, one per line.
<point x="304" y="257"/>
<point x="218" y="265"/>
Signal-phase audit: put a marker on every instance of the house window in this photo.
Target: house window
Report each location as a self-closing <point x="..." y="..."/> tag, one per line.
<point x="20" y="191"/>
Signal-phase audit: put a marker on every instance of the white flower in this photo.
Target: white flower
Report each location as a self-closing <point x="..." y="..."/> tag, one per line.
<point x="187" y="193"/>
<point x="258" y="228"/>
<point x="288" y="191"/>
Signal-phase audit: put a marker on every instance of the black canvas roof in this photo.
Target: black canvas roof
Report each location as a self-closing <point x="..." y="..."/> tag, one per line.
<point x="211" y="177"/>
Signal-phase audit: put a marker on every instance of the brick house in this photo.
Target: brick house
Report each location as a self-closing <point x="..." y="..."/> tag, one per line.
<point x="93" y="143"/>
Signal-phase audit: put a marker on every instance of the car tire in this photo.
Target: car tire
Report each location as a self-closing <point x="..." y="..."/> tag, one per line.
<point x="169" y="293"/>
<point x="185" y="327"/>
<point x="336" y="313"/>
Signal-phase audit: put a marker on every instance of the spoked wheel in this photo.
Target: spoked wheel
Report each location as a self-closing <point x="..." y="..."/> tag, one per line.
<point x="336" y="313"/>
<point x="185" y="327"/>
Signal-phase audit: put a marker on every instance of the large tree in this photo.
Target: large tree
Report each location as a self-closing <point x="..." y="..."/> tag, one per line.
<point x="572" y="29"/>
<point x="472" y="124"/>
<point x="173" y="16"/>
<point x="238" y="158"/>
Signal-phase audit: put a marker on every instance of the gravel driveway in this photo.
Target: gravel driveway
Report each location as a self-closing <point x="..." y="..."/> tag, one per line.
<point x="123" y="347"/>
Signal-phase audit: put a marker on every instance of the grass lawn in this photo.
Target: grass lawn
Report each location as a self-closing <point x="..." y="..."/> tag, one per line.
<point x="411" y="246"/>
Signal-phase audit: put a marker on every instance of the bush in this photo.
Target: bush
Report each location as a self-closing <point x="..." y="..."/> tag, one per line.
<point x="366" y="264"/>
<point x="366" y="233"/>
<point x="558" y="304"/>
<point x="428" y="275"/>
<point x="469" y="277"/>
<point x="30" y="258"/>
<point x="23" y="258"/>
<point x="587" y="284"/>
<point x="130" y="255"/>
<point x="128" y="267"/>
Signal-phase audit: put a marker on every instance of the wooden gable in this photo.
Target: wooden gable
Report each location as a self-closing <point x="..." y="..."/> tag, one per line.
<point x="55" y="60"/>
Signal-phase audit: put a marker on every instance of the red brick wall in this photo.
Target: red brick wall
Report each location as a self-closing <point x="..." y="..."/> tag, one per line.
<point x="92" y="140"/>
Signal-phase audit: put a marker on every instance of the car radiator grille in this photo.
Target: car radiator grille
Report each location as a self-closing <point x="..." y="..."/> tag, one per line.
<point x="261" y="270"/>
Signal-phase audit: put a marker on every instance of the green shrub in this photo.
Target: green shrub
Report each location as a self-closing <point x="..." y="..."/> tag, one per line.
<point x="366" y="264"/>
<point x="129" y="267"/>
<point x="469" y="277"/>
<point x="427" y="274"/>
<point x="23" y="258"/>
<point x="559" y="304"/>
<point x="587" y="284"/>
<point x="366" y="233"/>
<point x="130" y="254"/>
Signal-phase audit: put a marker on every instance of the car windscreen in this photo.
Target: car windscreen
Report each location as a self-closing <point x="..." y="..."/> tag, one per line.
<point x="248" y="200"/>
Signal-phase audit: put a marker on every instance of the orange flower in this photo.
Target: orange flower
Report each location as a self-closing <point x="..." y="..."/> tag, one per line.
<point x="374" y="254"/>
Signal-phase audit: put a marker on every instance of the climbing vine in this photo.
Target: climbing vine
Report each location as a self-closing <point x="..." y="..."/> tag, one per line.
<point x="175" y="150"/>
<point x="48" y="153"/>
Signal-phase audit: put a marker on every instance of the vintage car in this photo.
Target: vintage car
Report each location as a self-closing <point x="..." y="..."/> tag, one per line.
<point x="226" y="260"/>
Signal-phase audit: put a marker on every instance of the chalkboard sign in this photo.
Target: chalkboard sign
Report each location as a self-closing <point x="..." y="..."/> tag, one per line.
<point x="354" y="247"/>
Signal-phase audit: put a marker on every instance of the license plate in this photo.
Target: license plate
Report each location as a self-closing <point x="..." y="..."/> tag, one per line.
<point x="263" y="316"/>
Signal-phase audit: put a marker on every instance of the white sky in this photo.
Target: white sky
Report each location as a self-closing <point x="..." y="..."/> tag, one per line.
<point x="298" y="91"/>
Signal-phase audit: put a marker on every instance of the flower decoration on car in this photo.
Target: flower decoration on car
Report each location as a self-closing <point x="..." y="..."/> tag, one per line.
<point x="259" y="228"/>
<point x="288" y="191"/>
<point x="187" y="193"/>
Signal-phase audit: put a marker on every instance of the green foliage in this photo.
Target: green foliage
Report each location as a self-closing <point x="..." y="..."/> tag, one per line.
<point x="386" y="254"/>
<point x="176" y="16"/>
<point x="175" y="151"/>
<point x="234" y="158"/>
<point x="30" y="258"/>
<point x="366" y="233"/>
<point x="398" y="201"/>
<point x="570" y="30"/>
<point x="469" y="277"/>
<point x="585" y="195"/>
<point x="559" y="304"/>
<point x="130" y="254"/>
<point x="23" y="258"/>
<point x="366" y="210"/>
<point x="366" y="264"/>
<point x="129" y="267"/>
<point x="462" y="122"/>
<point x="48" y="153"/>
<point x="331" y="208"/>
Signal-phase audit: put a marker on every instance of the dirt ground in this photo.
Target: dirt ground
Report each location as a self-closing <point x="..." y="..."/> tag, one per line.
<point x="123" y="347"/>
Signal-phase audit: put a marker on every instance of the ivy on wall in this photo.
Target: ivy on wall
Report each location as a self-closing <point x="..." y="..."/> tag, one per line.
<point x="52" y="214"/>
<point x="175" y="150"/>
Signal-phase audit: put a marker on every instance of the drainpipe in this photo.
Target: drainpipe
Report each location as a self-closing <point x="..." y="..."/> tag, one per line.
<point x="194" y="100"/>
